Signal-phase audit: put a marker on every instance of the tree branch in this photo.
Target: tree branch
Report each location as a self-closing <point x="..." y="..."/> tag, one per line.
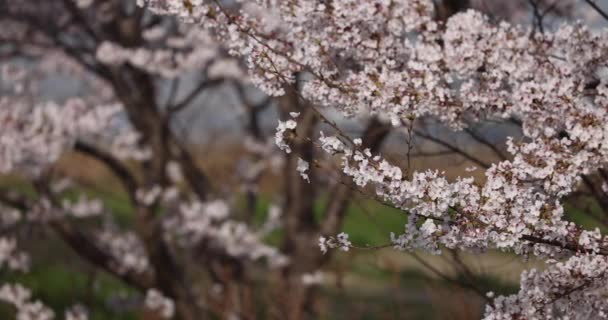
<point x="597" y="9"/>
<point x="119" y="170"/>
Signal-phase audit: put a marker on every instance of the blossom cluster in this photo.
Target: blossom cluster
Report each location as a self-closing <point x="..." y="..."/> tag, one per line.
<point x="126" y="248"/>
<point x="172" y="55"/>
<point x="11" y="257"/>
<point x="156" y="301"/>
<point x="284" y="130"/>
<point x="34" y="136"/>
<point x="20" y="297"/>
<point x="394" y="59"/>
<point x="340" y="241"/>
<point x="574" y="289"/>
<point x="195" y="223"/>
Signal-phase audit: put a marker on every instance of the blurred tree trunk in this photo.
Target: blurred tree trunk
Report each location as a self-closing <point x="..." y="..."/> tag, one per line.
<point x="302" y="227"/>
<point x="299" y="222"/>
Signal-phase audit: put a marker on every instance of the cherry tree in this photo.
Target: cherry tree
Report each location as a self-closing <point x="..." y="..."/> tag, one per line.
<point x="397" y="64"/>
<point x="138" y="73"/>
<point x="395" y="60"/>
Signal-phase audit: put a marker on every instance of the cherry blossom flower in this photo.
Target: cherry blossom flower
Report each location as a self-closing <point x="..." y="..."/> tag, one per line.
<point x="302" y="168"/>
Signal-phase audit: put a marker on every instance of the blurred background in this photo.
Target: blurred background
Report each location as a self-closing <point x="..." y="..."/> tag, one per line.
<point x="191" y="103"/>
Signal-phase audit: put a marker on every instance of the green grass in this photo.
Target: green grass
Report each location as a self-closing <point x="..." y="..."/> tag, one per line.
<point x="367" y="222"/>
<point x="370" y="223"/>
<point x="60" y="287"/>
<point x="578" y="216"/>
<point x="58" y="278"/>
<point x="58" y="283"/>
